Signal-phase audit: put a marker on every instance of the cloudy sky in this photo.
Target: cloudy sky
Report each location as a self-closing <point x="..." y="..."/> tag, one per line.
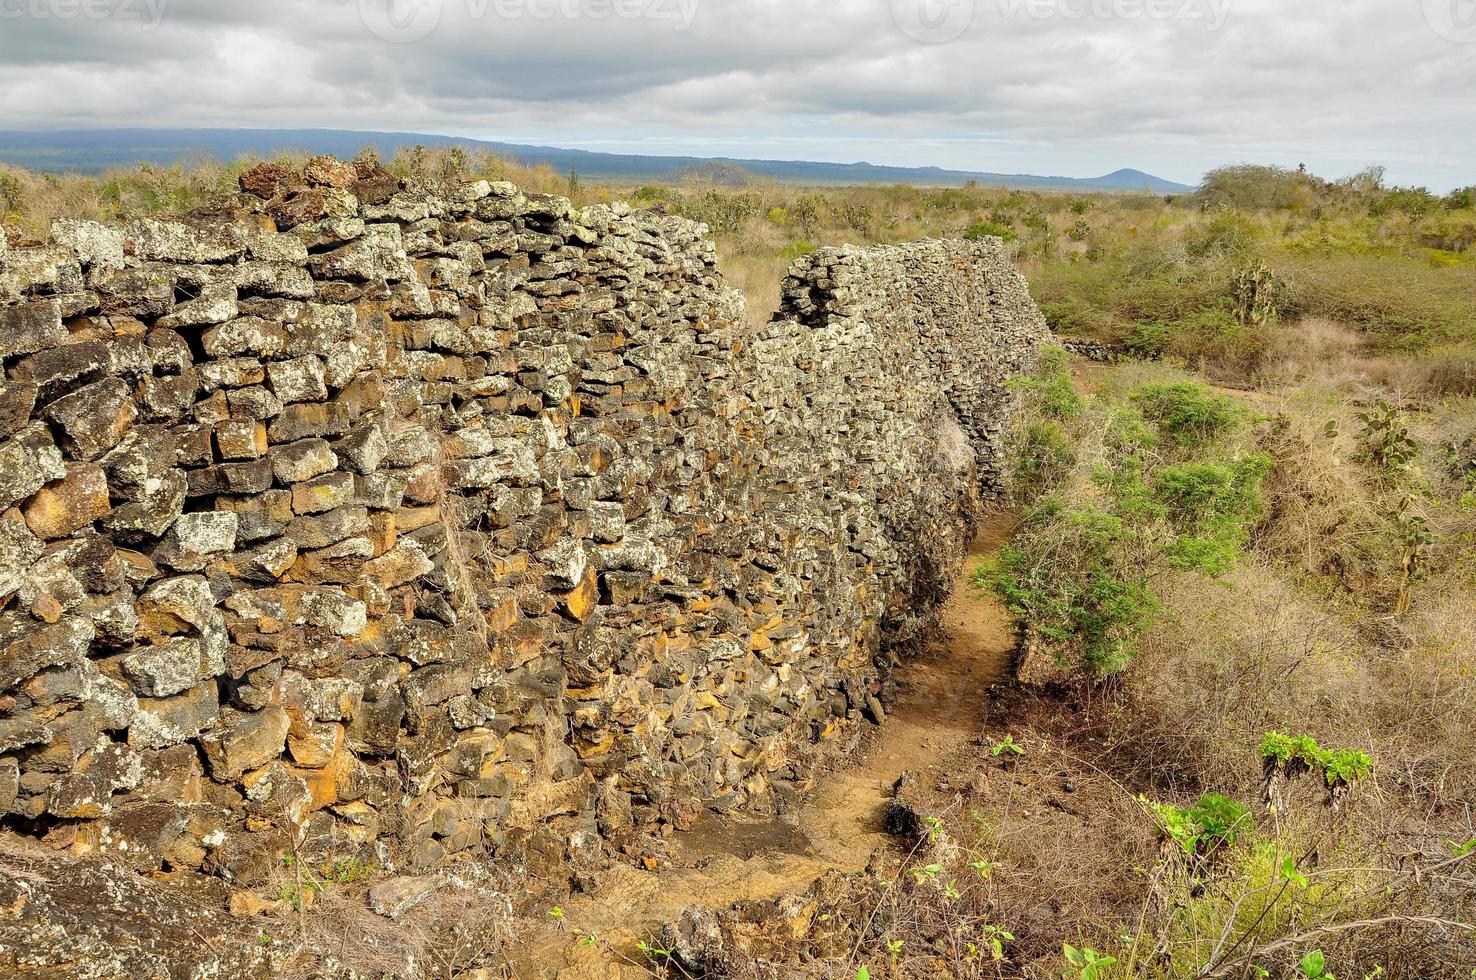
<point x="1075" y="87"/>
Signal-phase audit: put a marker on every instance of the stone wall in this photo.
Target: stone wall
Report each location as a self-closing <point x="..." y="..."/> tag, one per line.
<point x="366" y="519"/>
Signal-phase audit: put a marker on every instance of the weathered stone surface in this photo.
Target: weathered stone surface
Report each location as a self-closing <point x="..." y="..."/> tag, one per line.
<point x="29" y="327"/>
<point x="19" y="548"/>
<point x="294" y="462"/>
<point x="164" y="669"/>
<point x="27" y="648"/>
<point x="266" y="180"/>
<point x="394" y="897"/>
<point x="54" y="367"/>
<point x="69" y="504"/>
<point x="161" y="502"/>
<point x="152" y="240"/>
<point x="299" y="380"/>
<point x="28" y="461"/>
<point x="247" y="335"/>
<point x="93" y="419"/>
<point x="323" y="493"/>
<point x="86" y="791"/>
<point x="17" y="399"/>
<point x="74" y="918"/>
<point x="326" y="171"/>
<point x="96" y="245"/>
<point x="246" y="740"/>
<point x="241" y="439"/>
<point x="197" y="537"/>
<point x="162" y="722"/>
<point x="431" y="510"/>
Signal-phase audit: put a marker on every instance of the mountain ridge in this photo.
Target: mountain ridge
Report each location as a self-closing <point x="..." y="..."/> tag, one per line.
<point x="96" y="150"/>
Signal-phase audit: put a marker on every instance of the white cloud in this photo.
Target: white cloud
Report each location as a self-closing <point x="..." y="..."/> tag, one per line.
<point x="1063" y="86"/>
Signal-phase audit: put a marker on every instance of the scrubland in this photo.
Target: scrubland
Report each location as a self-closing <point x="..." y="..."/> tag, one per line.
<point x="1245" y="577"/>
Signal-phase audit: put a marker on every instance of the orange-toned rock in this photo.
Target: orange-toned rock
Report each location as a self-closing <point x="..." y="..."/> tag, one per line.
<point x="69" y="504"/>
<point x="241" y="439"/>
<point x="326" y="171"/>
<point x="317" y="747"/>
<point x="585" y="596"/>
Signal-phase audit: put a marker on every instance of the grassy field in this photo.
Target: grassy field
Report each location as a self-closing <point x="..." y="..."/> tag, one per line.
<point x="1248" y="559"/>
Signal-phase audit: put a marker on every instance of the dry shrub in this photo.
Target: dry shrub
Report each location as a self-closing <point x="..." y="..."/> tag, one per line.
<point x="1322" y="515"/>
<point x="1427" y="693"/>
<point x="1228" y="661"/>
<point x="1324" y="353"/>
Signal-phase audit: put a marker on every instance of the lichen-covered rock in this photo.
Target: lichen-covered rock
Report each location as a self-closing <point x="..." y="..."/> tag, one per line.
<point x="93" y="419"/>
<point x="28" y="461"/>
<point x="245" y="740"/>
<point x="96" y="921"/>
<point x="432" y="521"/>
<point x="29" y="327"/>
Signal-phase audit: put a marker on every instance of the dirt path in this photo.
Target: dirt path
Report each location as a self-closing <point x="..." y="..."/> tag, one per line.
<point x="839" y="826"/>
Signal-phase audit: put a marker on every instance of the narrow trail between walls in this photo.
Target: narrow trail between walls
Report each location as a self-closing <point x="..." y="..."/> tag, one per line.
<point x="838" y="826"/>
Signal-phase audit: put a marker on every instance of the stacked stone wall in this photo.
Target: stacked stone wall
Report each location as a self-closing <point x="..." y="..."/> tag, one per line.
<point x="358" y="518"/>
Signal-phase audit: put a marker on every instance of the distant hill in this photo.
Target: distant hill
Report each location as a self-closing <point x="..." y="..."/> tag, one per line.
<point x="96" y="150"/>
<point x="716" y="172"/>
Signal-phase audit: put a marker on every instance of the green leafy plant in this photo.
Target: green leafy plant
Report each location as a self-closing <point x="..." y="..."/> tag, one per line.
<point x="1092" y="610"/>
<point x="1313" y="966"/>
<point x="925" y="873"/>
<point x="1006" y="746"/>
<point x="994" y="938"/>
<point x="652" y="951"/>
<point x="1087" y="962"/>
<point x="1385" y="441"/>
<point x="1212" y="820"/>
<point x="793" y="251"/>
<point x="1290" y="754"/>
<point x="1289" y="872"/>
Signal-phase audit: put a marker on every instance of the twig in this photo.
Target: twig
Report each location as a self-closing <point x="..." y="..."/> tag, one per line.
<point x="1435" y="922"/>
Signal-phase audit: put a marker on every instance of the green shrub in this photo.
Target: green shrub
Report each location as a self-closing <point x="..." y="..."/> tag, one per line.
<point x="1081" y="576"/>
<point x="1090" y="607"/>
<point x="1186" y="412"/>
<point x="987" y="229"/>
<point x="1049" y="391"/>
<point x="1256" y="187"/>
<point x="1212" y="506"/>
<point x="1042" y="456"/>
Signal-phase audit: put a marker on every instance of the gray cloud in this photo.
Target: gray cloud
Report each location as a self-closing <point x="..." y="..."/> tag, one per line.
<point x="1066" y="86"/>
